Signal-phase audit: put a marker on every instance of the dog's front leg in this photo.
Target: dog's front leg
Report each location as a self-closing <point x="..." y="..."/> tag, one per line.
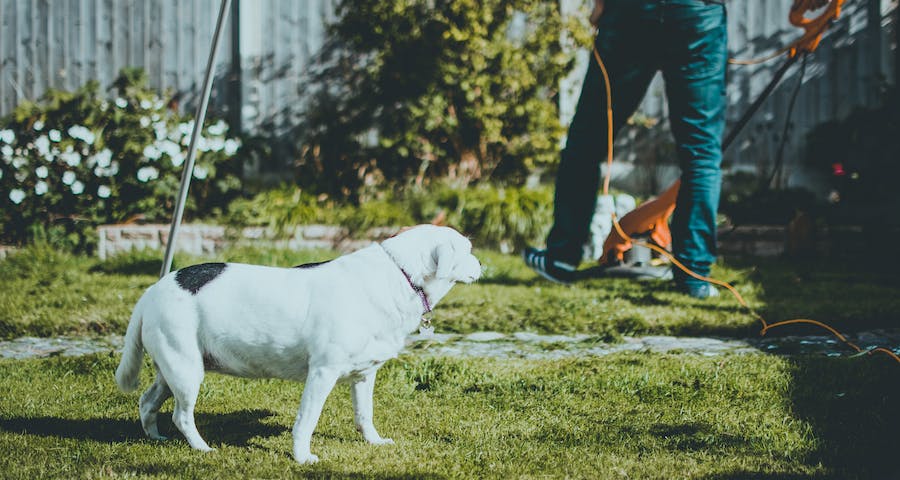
<point x="319" y="383"/>
<point x="362" y="393"/>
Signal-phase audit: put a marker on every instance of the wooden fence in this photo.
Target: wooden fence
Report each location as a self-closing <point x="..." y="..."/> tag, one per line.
<point x="260" y="72"/>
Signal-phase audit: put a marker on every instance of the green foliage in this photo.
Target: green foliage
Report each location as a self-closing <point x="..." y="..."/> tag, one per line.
<point x="494" y="216"/>
<point x="859" y="154"/>
<point x="508" y="217"/>
<point x="744" y="202"/>
<point x="75" y="160"/>
<point x="421" y="89"/>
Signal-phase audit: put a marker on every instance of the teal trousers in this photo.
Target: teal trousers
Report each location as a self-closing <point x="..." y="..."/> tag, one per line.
<point x="687" y="41"/>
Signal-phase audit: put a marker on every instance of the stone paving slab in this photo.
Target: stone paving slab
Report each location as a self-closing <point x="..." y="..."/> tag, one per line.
<point x="525" y="345"/>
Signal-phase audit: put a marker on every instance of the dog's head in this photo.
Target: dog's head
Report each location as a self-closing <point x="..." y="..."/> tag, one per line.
<point x="429" y="252"/>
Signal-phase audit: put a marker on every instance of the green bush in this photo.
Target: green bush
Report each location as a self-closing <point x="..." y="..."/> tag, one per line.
<point x="859" y="154"/>
<point x="75" y="160"/>
<point x="506" y="217"/>
<point x="418" y="89"/>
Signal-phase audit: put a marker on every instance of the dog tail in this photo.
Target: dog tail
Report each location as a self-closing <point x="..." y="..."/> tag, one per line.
<point x="128" y="372"/>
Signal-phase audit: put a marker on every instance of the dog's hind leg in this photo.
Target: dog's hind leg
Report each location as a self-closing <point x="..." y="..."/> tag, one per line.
<point x="150" y="402"/>
<point x="319" y="383"/>
<point x="362" y="392"/>
<point x="183" y="372"/>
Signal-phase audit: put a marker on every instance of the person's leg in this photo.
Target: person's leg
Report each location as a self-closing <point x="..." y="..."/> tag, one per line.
<point x="629" y="64"/>
<point x="694" y="64"/>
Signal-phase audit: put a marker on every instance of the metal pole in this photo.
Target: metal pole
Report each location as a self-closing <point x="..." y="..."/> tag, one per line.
<point x="199" y="117"/>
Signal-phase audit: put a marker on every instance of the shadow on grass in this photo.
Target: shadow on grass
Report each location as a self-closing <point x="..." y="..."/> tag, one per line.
<point x="129" y="265"/>
<point x="321" y="472"/>
<point x="751" y="475"/>
<point x="506" y="280"/>
<point x="684" y="437"/>
<point x="852" y="407"/>
<point x="234" y="429"/>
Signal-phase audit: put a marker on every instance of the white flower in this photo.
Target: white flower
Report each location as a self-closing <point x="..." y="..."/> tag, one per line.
<point x="145" y="122"/>
<point x="7" y="136"/>
<point x="16" y="196"/>
<point x="103" y="158"/>
<point x="121" y="102"/>
<point x="160" y="130"/>
<point x="154" y="117"/>
<point x="158" y="104"/>
<point x="54" y="135"/>
<point x="169" y="147"/>
<point x="200" y="173"/>
<point x="18" y="162"/>
<point x="147" y="173"/>
<point x="151" y="152"/>
<point x="68" y="177"/>
<point x="82" y="133"/>
<point x="216" y="144"/>
<point x="145" y="104"/>
<point x="42" y="144"/>
<point x="186" y="127"/>
<point x="7" y="151"/>
<point x="40" y="188"/>
<point x="217" y="129"/>
<point x="203" y="144"/>
<point x="177" y="159"/>
<point x="231" y="146"/>
<point x="106" y="172"/>
<point x="72" y="158"/>
<point x="77" y="187"/>
<point x="41" y="172"/>
<point x="38" y="125"/>
<point x="103" y="191"/>
<point x="21" y="175"/>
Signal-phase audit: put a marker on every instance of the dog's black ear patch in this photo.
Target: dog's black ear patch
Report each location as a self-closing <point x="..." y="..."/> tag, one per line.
<point x="193" y="278"/>
<point x="312" y="265"/>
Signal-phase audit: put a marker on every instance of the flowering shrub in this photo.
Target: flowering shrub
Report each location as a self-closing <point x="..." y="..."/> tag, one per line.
<point x="76" y="160"/>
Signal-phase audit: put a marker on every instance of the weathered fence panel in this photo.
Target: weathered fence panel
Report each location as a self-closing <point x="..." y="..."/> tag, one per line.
<point x="64" y="43"/>
<point x="260" y="72"/>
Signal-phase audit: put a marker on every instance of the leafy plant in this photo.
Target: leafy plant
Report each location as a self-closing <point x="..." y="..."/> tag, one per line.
<point x="508" y="217"/>
<point x="420" y="89"/>
<point x="860" y="156"/>
<point x="75" y="160"/>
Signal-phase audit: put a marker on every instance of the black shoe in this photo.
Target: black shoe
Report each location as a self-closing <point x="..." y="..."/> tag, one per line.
<point x="555" y="271"/>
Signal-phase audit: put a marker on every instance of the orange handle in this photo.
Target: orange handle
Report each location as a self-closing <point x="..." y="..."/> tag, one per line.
<point x="814" y="27"/>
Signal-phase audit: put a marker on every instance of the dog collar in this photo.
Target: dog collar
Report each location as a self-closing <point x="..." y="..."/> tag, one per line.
<point x="426" y="316"/>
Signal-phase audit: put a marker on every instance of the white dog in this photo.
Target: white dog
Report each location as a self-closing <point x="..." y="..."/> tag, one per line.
<point x="322" y="323"/>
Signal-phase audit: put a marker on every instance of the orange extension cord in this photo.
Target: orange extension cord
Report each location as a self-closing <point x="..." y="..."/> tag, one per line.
<point x="806" y="43"/>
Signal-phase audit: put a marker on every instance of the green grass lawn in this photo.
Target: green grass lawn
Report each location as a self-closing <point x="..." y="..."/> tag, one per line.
<point x="637" y="415"/>
<point x="621" y="416"/>
<point x="48" y="293"/>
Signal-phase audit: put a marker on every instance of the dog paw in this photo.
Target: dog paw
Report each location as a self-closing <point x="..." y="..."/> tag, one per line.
<point x="307" y="459"/>
<point x="158" y="437"/>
